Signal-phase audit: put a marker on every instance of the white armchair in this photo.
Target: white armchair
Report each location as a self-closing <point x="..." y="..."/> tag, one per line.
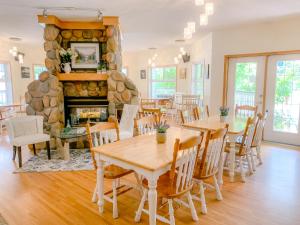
<point x="127" y="121"/>
<point x="26" y="130"/>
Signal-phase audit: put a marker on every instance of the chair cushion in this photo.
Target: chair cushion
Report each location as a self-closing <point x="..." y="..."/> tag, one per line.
<point x="25" y="128"/>
<point x="30" y="139"/>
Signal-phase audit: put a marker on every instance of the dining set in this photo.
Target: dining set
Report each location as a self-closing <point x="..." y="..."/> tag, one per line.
<point x="196" y="152"/>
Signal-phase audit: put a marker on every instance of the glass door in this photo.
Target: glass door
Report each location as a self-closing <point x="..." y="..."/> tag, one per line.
<point x="245" y="82"/>
<point x="283" y="99"/>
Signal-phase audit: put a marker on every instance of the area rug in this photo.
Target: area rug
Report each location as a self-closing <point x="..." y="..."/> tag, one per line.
<point x="2" y="221"/>
<point x="80" y="159"/>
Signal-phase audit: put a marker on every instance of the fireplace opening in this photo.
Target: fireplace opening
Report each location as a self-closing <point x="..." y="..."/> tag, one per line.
<point x="79" y="110"/>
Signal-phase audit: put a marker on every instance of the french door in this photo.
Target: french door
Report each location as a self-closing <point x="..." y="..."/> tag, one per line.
<point x="245" y="82"/>
<point x="283" y="99"/>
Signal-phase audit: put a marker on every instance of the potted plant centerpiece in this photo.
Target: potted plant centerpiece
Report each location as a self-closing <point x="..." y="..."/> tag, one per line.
<point x="161" y="131"/>
<point x="66" y="57"/>
<point x="223" y="113"/>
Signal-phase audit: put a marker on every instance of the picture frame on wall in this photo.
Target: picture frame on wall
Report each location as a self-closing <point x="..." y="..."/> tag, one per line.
<point x="88" y="55"/>
<point x="143" y="74"/>
<point x="25" y="72"/>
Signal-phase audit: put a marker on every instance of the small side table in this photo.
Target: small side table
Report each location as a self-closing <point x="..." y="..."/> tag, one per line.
<point x="63" y="143"/>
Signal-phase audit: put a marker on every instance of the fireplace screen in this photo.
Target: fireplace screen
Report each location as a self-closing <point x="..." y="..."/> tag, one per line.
<point x="81" y="110"/>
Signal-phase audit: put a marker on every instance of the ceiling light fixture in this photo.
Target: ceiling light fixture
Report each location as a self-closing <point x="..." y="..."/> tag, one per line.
<point x="187" y="33"/>
<point x="203" y="20"/>
<point x="192" y="26"/>
<point x="209" y="8"/>
<point x="19" y="56"/>
<point x="199" y="2"/>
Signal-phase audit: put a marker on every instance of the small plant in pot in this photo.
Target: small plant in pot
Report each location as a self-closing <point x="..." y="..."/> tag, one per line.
<point x="223" y="113"/>
<point x="161" y="131"/>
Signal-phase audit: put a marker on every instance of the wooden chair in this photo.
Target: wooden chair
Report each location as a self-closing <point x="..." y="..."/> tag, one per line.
<point x="243" y="149"/>
<point x="207" y="110"/>
<point x="258" y="134"/>
<point x="145" y="124"/>
<point x="178" y="181"/>
<point x="200" y="112"/>
<point x="186" y="116"/>
<point x="208" y="165"/>
<point x="148" y="103"/>
<point x="245" y="110"/>
<point x="100" y="134"/>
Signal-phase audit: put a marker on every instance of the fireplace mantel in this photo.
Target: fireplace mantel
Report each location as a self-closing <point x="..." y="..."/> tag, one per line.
<point x="81" y="77"/>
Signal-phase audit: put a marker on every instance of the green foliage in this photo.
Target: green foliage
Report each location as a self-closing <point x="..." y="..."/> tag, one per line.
<point x="284" y="88"/>
<point x="245" y="79"/>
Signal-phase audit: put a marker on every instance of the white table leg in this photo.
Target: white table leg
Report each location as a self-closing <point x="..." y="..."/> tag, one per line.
<point x="100" y="184"/>
<point x="152" y="199"/>
<point x="232" y="161"/>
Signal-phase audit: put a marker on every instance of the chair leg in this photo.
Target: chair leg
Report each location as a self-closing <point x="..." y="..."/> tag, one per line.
<point x="258" y="152"/>
<point x="19" y="156"/>
<point x="192" y="207"/>
<point x="141" y="206"/>
<point x="202" y="199"/>
<point x="14" y="152"/>
<point x="48" y="149"/>
<point x="218" y="192"/>
<point x="242" y="169"/>
<point x="115" y="201"/>
<point x="249" y="164"/>
<point x="34" y="150"/>
<point x="252" y="160"/>
<point x="95" y="194"/>
<point x="171" y="212"/>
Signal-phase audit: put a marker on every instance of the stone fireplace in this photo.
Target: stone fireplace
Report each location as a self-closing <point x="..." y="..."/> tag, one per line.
<point x="61" y="97"/>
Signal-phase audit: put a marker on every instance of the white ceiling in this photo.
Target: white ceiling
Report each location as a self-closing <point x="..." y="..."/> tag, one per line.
<point x="145" y="23"/>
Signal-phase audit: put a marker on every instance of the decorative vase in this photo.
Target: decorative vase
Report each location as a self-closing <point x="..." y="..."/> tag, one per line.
<point x="66" y="67"/>
<point x="223" y="119"/>
<point x="161" y="137"/>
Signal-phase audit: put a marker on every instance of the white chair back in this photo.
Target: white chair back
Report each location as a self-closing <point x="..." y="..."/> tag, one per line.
<point x="259" y="129"/>
<point x="145" y="124"/>
<point x="186" y="116"/>
<point x="24" y="125"/>
<point x="127" y="119"/>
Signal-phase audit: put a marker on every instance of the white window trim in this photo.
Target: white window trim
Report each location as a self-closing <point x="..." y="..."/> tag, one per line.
<point x="36" y="64"/>
<point x="9" y="84"/>
<point x="150" y="77"/>
<point x="202" y="62"/>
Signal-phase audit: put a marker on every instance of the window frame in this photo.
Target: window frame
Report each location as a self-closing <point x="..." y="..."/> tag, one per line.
<point x="163" y="81"/>
<point x="201" y="62"/>
<point x="127" y="71"/>
<point x="9" y="83"/>
<point x="36" y="64"/>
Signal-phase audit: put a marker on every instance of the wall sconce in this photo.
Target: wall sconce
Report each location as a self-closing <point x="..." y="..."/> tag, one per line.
<point x="18" y="56"/>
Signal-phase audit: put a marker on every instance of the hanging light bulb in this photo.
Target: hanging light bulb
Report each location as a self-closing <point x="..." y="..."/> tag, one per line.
<point x="176" y="61"/>
<point x="203" y="20"/>
<point x="187" y="33"/>
<point x="192" y="26"/>
<point x="199" y="2"/>
<point x="209" y="8"/>
<point x="20" y="58"/>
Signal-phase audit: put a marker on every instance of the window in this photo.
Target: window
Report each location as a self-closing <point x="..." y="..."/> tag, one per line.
<point x="37" y="69"/>
<point x="5" y="84"/>
<point x="162" y="81"/>
<point x="125" y="71"/>
<point x="198" y="79"/>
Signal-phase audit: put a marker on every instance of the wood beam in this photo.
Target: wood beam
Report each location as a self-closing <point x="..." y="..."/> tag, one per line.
<point x="107" y="21"/>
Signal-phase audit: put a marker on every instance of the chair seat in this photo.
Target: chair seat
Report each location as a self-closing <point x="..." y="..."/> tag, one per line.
<point x="164" y="189"/>
<point x="124" y="134"/>
<point x="237" y="149"/>
<point x="114" y="172"/>
<point x="30" y="139"/>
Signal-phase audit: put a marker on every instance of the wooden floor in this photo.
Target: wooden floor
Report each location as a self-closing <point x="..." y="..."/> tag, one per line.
<point x="271" y="196"/>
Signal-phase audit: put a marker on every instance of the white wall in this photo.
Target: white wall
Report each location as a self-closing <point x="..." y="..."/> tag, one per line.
<point x="263" y="37"/>
<point x="136" y="61"/>
<point x="33" y="55"/>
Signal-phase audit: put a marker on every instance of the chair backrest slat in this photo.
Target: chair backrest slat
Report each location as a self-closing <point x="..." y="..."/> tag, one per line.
<point x="186" y="116"/>
<point x="245" y="111"/>
<point x="145" y="124"/>
<point x="258" y="133"/>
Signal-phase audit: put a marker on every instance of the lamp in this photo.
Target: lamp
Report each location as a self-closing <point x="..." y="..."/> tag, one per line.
<point x="203" y="19"/>
<point x="18" y="56"/>
<point x="209" y="8"/>
<point x="199" y="2"/>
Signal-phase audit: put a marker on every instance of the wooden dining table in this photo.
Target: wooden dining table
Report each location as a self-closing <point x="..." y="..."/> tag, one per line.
<point x="236" y="128"/>
<point x="143" y="155"/>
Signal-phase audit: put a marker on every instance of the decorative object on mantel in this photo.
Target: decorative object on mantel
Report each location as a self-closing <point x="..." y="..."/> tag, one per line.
<point x="161" y="131"/>
<point x="80" y="159"/>
<point x="2" y="221"/>
<point x="66" y="57"/>
<point x="102" y="67"/>
<point x="87" y="55"/>
<point x="223" y="113"/>
<point x="25" y="72"/>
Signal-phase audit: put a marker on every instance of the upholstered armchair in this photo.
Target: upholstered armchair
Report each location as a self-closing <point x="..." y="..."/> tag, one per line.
<point x="26" y="130"/>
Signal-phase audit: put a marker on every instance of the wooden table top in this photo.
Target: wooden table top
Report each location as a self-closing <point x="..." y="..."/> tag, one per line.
<point x="143" y="151"/>
<point x="236" y="124"/>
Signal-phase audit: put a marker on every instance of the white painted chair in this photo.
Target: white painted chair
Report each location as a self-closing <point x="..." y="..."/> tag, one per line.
<point x="5" y="114"/>
<point x="243" y="154"/>
<point x="177" y="182"/>
<point x="24" y="131"/>
<point x="127" y="121"/>
<point x="208" y="165"/>
<point x="101" y="134"/>
<point x="187" y="115"/>
<point x="258" y="134"/>
<point x="144" y="125"/>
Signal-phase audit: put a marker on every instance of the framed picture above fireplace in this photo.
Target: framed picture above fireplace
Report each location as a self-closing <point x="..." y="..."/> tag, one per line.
<point x="88" y="55"/>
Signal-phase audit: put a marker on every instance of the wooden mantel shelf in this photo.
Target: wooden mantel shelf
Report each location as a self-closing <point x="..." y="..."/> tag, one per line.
<point x="81" y="77"/>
